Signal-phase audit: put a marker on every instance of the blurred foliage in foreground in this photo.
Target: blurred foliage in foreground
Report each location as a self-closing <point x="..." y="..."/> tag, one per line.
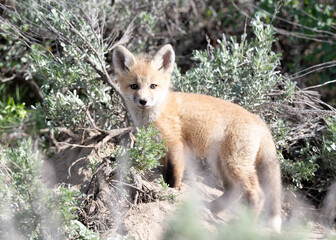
<point x="29" y="209"/>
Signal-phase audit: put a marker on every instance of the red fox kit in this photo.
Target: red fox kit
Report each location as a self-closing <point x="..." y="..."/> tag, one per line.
<point x="237" y="142"/>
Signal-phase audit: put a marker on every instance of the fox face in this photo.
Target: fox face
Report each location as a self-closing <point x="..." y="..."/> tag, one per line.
<point x="144" y="90"/>
<point x="144" y="83"/>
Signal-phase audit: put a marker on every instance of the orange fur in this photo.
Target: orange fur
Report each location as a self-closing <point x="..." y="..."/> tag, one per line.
<point x="237" y="143"/>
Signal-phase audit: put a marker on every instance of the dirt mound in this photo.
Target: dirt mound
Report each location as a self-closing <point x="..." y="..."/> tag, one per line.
<point x="69" y="166"/>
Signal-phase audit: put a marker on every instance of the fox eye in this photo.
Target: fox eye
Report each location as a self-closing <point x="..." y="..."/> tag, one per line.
<point x="134" y="86"/>
<point x="153" y="86"/>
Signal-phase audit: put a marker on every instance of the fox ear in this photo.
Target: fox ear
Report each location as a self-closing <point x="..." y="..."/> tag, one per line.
<point x="122" y="59"/>
<point x="164" y="59"/>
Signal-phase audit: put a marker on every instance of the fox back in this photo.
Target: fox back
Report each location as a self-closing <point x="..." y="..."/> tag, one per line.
<point x="237" y="143"/>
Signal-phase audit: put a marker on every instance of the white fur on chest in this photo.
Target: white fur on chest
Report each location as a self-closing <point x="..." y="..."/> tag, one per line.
<point x="142" y="117"/>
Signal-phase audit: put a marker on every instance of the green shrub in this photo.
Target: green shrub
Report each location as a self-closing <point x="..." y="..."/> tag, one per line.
<point x="244" y="72"/>
<point x="145" y="154"/>
<point x="72" y="87"/>
<point x="301" y="170"/>
<point x="12" y="115"/>
<point x="305" y="21"/>
<point x="328" y="153"/>
<point x="147" y="150"/>
<point x="313" y="161"/>
<point x="70" y="64"/>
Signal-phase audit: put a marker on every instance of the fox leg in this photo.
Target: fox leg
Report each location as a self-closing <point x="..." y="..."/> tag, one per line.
<point x="232" y="194"/>
<point x="240" y="179"/>
<point x="235" y="188"/>
<point x="251" y="189"/>
<point x="253" y="192"/>
<point x="174" y="165"/>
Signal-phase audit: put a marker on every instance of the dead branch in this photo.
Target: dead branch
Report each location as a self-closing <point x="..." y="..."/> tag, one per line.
<point x="128" y="185"/>
<point x="110" y="135"/>
<point x="73" y="164"/>
<point x="319" y="66"/>
<point x="61" y="130"/>
<point x="3" y="80"/>
<point x="320" y="85"/>
<point x="36" y="89"/>
<point x="53" y="139"/>
<point x="318" y="36"/>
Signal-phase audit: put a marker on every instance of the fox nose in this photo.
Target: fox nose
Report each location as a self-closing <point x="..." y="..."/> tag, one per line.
<point x="142" y="102"/>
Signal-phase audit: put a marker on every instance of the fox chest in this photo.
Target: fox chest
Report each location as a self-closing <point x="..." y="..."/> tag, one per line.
<point x="193" y="139"/>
